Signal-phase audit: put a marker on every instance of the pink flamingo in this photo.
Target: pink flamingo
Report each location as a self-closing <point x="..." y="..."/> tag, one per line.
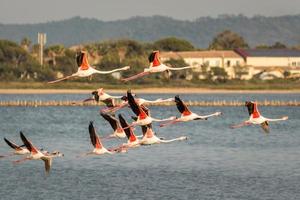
<point x="85" y="70"/>
<point x="256" y="118"/>
<point x="154" y="67"/>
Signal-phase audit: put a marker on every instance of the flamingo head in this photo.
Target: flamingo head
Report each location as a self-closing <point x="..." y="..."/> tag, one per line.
<point x="100" y="91"/>
<point x="95" y="95"/>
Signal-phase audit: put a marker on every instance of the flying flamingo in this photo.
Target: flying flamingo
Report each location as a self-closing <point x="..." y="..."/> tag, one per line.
<point x="115" y="124"/>
<point x="142" y="117"/>
<point x="85" y="70"/>
<point x="155" y="67"/>
<point x="36" y="154"/>
<point x="139" y="101"/>
<point x="100" y="95"/>
<point x="151" y="138"/>
<point x="186" y="114"/>
<point x="99" y="149"/>
<point x="256" y="118"/>
<point x="18" y="150"/>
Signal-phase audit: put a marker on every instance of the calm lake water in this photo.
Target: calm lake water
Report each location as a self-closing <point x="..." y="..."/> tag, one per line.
<point x="215" y="162"/>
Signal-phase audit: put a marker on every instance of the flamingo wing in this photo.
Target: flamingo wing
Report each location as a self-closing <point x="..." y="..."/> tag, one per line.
<point x="265" y="126"/>
<point x="112" y="120"/>
<point x="48" y="163"/>
<point x="132" y="103"/>
<point x="182" y="108"/>
<point x="250" y="107"/>
<point x="109" y="102"/>
<point x="96" y="95"/>
<point x="128" y="131"/>
<point x="124" y="125"/>
<point x="12" y="145"/>
<point x="28" y="144"/>
<point x="95" y="140"/>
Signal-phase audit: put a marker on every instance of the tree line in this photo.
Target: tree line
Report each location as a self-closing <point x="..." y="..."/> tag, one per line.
<point x="18" y="62"/>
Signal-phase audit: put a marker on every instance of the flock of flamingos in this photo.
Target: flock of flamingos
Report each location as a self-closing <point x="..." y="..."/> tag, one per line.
<point x="123" y="129"/>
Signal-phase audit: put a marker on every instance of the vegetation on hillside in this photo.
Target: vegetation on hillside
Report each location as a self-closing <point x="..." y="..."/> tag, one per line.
<point x="19" y="63"/>
<point x="200" y="32"/>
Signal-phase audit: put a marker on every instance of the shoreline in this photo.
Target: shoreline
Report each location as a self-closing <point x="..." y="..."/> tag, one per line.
<point x="149" y="91"/>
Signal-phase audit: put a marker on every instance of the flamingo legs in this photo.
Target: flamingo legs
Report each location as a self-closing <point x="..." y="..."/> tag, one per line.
<point x="135" y="76"/>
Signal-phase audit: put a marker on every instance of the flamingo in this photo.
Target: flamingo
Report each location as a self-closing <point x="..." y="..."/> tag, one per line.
<point x="186" y="114"/>
<point x="256" y="118"/>
<point x="142" y="117"/>
<point x="99" y="149"/>
<point x="139" y="101"/>
<point x="36" y="154"/>
<point x="115" y="124"/>
<point x="85" y="70"/>
<point x="154" y="67"/>
<point x="99" y="95"/>
<point x="151" y="138"/>
<point x="18" y="150"/>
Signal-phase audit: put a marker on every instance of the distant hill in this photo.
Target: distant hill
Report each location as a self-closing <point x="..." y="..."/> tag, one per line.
<point x="255" y="30"/>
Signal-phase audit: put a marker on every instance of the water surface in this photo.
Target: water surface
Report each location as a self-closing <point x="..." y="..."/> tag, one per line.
<point x="215" y="162"/>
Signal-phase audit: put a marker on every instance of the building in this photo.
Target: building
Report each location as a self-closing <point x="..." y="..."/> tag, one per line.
<point x="271" y="63"/>
<point x="243" y="63"/>
<point x="213" y="58"/>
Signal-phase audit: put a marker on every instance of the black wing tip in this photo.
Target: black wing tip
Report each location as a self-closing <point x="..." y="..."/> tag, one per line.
<point x="91" y="123"/>
<point x="177" y="98"/>
<point x="22" y="134"/>
<point x="134" y="118"/>
<point x="122" y="121"/>
<point x="121" y="116"/>
<point x="7" y="141"/>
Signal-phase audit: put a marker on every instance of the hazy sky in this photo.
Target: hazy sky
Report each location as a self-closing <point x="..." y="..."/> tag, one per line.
<point x="33" y="11"/>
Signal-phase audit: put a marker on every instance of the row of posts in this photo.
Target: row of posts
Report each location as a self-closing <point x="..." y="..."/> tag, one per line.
<point x="38" y="103"/>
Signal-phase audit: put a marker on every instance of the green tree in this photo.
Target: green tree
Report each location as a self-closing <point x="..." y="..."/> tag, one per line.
<point x="239" y="71"/>
<point x="173" y="44"/>
<point x="278" y="45"/>
<point x="219" y="73"/>
<point x="228" y="40"/>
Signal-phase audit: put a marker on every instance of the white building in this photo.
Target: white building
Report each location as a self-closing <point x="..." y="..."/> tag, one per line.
<point x="213" y="58"/>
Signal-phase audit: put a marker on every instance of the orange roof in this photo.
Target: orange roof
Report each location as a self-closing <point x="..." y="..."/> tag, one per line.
<point x="199" y="54"/>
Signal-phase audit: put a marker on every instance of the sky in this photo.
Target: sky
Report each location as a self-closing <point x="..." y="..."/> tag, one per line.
<point x="37" y="11"/>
